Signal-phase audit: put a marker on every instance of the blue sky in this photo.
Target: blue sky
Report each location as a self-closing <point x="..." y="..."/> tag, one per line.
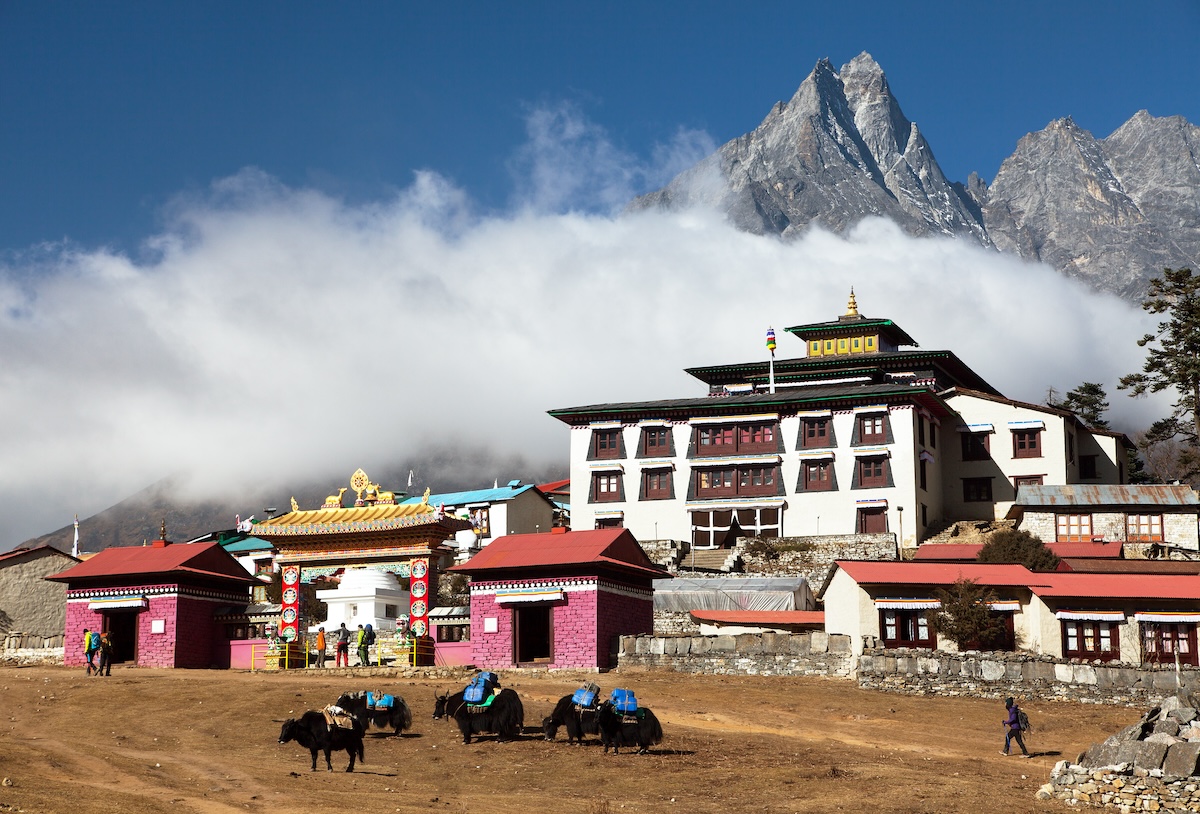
<point x="113" y="110"/>
<point x="255" y="243"/>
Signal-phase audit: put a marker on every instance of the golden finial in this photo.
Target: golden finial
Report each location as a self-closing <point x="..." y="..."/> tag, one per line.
<point x="295" y="505"/>
<point x="425" y="499"/>
<point x="852" y="305"/>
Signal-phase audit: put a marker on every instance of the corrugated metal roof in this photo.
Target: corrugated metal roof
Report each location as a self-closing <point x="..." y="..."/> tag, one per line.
<point x="1106" y="495"/>
<point x="497" y="495"/>
<point x="889" y="572"/>
<point x="195" y="559"/>
<point x="1089" y="565"/>
<point x="1071" y="584"/>
<point x="615" y="548"/>
<point x="948" y="551"/>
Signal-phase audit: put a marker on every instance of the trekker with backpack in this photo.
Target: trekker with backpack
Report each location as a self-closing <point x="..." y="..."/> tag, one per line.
<point x="91" y="644"/>
<point x="1016" y="722"/>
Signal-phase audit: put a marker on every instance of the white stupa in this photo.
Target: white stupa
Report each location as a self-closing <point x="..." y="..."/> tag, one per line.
<point x="364" y="596"/>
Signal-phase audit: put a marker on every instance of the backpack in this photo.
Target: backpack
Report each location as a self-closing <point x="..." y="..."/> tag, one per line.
<point x="370" y="637"/>
<point x="1023" y="720"/>
<point x="93" y="641"/>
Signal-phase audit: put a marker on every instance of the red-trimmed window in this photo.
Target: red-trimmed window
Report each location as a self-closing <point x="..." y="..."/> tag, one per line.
<point x="1091" y="640"/>
<point x="872" y="429"/>
<point x="606" y="487"/>
<point x="872" y="472"/>
<point x="731" y="481"/>
<point x="656" y="441"/>
<point x="656" y="484"/>
<point x="905" y="628"/>
<point x="761" y="437"/>
<point x="1073" y="528"/>
<point x="1144" y="528"/>
<point x="1027" y="443"/>
<point x="818" y="476"/>
<point x="756" y="480"/>
<point x="715" y="440"/>
<point x="1162" y="640"/>
<point x="716" y="482"/>
<point x="815" y="433"/>
<point x="606" y="443"/>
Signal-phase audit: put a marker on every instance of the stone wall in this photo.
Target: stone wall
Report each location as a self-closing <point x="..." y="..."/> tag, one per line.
<point x="998" y="675"/>
<point x="815" y="653"/>
<point x="810" y="557"/>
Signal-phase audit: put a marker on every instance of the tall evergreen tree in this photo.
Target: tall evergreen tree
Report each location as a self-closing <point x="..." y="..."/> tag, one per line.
<point x="1089" y="402"/>
<point x="1173" y="362"/>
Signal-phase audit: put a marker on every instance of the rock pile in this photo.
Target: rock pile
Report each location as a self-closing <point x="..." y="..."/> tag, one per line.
<point x="1147" y="766"/>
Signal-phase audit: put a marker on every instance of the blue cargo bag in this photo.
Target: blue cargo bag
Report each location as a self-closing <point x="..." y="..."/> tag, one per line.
<point x="480" y="688"/>
<point x="586" y="695"/>
<point x="380" y="701"/>
<point x="624" y="701"/>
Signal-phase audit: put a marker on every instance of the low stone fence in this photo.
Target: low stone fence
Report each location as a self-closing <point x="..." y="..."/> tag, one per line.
<point x="815" y="653"/>
<point x="998" y="675"/>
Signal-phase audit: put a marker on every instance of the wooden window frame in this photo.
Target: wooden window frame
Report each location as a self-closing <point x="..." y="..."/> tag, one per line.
<point x="1160" y="640"/>
<point x="1071" y="528"/>
<point x="824" y="480"/>
<point x="1027" y="443"/>
<point x="877" y="423"/>
<point x="606" y="444"/>
<point x="1098" y="633"/>
<point x="906" y="628"/>
<point x="872" y="471"/>
<point x="607" y="487"/>
<point x="816" y="433"/>
<point x="1088" y="469"/>
<point x="860" y="521"/>
<point x="1144" y="528"/>
<point x="658" y="484"/>
<point x="977" y="490"/>
<point x="976" y="446"/>
<point x="661" y="436"/>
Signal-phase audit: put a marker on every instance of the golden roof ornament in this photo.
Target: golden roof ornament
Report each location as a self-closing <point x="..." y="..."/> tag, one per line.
<point x="852" y="305"/>
<point x="162" y="530"/>
<point x="295" y="505"/>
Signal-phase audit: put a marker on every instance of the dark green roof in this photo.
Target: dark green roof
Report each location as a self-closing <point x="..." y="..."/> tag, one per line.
<point x="853" y="325"/>
<point x="816" y="396"/>
<point x="948" y="368"/>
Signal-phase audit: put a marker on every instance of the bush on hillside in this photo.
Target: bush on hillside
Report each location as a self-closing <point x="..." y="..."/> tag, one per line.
<point x="1013" y="546"/>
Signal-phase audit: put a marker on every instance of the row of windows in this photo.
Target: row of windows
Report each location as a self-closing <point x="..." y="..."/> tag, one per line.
<point x="748" y="480"/>
<point x="749" y="438"/>
<point x="1139" y="528"/>
<point x="723" y="527"/>
<point x="1026" y="443"/>
<point x="1160" y="642"/>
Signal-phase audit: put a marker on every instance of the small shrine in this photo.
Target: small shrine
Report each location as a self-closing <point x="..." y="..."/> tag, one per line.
<point x="396" y="542"/>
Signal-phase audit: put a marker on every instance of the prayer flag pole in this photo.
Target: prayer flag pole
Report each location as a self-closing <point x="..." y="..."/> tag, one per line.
<point x="771" y="347"/>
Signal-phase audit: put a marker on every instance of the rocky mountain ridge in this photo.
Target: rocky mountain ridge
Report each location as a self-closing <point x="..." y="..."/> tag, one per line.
<point x="1112" y="212"/>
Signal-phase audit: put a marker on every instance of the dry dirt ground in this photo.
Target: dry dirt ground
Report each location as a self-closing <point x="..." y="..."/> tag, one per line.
<point x="186" y="741"/>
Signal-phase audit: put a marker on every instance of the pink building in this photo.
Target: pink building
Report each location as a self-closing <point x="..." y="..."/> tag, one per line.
<point x="158" y="603"/>
<point x="559" y="599"/>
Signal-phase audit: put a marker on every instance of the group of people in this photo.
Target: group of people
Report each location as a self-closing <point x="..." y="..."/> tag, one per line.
<point x="96" y="642"/>
<point x="363" y="640"/>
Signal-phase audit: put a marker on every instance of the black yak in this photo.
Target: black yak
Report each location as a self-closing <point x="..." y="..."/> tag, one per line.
<point x="397" y="717"/>
<point x="577" y="720"/>
<point x="640" y="728"/>
<point x="313" y="732"/>
<point x="505" y="716"/>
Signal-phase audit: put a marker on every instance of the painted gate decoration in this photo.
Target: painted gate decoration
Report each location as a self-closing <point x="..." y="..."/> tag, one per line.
<point x="289" y="617"/>
<point x="418" y="608"/>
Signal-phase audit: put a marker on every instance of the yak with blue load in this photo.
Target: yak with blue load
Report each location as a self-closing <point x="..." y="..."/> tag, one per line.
<point x="576" y="713"/>
<point x="377" y="709"/>
<point x="483" y="707"/>
<point x="623" y="722"/>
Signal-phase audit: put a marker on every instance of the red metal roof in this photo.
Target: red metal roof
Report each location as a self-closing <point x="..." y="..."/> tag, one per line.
<point x="1095" y="549"/>
<point x="761" y="618"/>
<point x="555" y="487"/>
<point x="1118" y="586"/>
<point x="948" y="551"/>
<point x="890" y="572"/>
<point x="616" y="548"/>
<point x="1111" y="566"/>
<point x="207" y="560"/>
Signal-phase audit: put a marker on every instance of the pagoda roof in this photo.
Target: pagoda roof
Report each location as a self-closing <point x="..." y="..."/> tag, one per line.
<point x="811" y="396"/>
<point x="853" y="325"/>
<point x="356" y="519"/>
<point x="172" y="560"/>
<point x="613" y="548"/>
<point x="802" y="369"/>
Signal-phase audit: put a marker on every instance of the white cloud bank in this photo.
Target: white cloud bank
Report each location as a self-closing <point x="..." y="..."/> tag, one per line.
<point x="275" y="334"/>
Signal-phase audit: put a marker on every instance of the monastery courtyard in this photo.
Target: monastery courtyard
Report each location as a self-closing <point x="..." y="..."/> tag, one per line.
<point x="154" y="740"/>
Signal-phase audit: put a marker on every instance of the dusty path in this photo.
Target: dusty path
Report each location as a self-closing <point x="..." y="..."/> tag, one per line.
<point x="206" y="741"/>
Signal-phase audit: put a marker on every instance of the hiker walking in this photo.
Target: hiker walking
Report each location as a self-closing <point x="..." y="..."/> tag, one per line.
<point x="1014" y="724"/>
<point x="364" y="658"/>
<point x="106" y="654"/>
<point x="91" y="643"/>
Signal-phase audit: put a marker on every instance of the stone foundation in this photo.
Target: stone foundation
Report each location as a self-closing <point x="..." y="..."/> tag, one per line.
<point x="792" y="654"/>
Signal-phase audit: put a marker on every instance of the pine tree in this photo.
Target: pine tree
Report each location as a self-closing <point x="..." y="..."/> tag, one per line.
<point x="1089" y="402"/>
<point x="1173" y="362"/>
<point x="965" y="616"/>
